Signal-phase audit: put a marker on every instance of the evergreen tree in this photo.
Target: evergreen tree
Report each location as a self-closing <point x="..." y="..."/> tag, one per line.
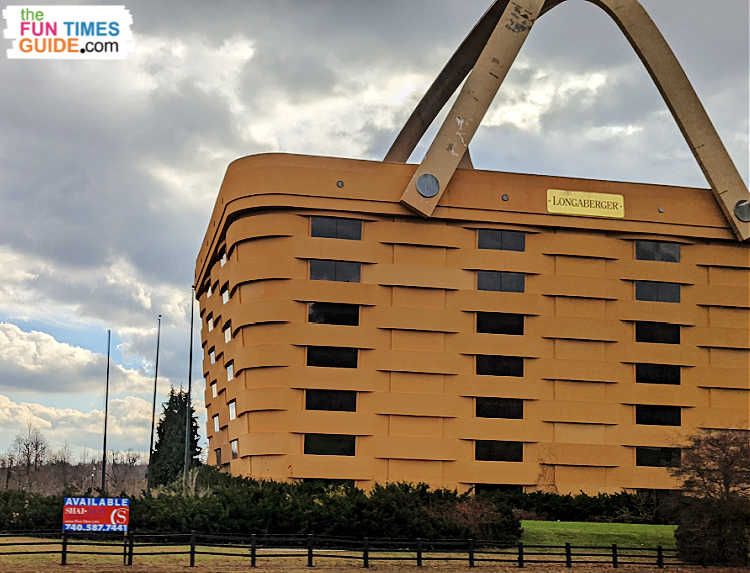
<point x="168" y="459"/>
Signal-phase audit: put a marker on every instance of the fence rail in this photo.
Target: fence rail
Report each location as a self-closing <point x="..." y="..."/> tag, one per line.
<point x="253" y="548"/>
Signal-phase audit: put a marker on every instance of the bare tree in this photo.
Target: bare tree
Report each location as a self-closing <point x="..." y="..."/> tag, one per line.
<point x="23" y="449"/>
<point x="60" y="466"/>
<point x="39" y="448"/>
<point x="8" y="464"/>
<point x="716" y="465"/>
<point x="124" y="469"/>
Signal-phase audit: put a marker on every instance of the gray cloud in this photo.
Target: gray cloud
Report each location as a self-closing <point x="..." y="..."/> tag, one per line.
<point x="109" y="170"/>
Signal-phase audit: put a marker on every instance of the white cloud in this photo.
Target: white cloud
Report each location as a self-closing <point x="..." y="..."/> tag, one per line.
<point x="602" y="132"/>
<point x="523" y="100"/>
<point x="36" y="362"/>
<point x="128" y="427"/>
<point x="116" y="294"/>
<point x="339" y="121"/>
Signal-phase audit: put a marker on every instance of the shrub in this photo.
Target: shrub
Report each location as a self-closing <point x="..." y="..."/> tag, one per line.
<point x="713" y="532"/>
<point x="20" y="510"/>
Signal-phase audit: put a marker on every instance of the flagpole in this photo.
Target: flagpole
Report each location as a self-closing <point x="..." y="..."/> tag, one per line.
<point x="153" y="408"/>
<point x="106" y="415"/>
<point x="188" y="417"/>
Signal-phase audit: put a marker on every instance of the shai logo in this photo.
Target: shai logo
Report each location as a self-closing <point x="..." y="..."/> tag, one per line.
<point x="68" y="32"/>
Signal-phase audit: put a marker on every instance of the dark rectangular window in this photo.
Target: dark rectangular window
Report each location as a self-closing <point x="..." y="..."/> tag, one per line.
<point x="657" y="457"/>
<point x="327" y="270"/>
<point x="333" y="313"/>
<point x="657" y="251"/>
<point x="657" y="291"/>
<point x="499" y="323"/>
<point x="497" y="451"/>
<point x="333" y="356"/>
<point x="335" y="228"/>
<point x="217" y="452"/>
<point x="502" y="240"/>
<point x="504" y="281"/>
<point x="329" y="444"/>
<point x="337" y="400"/>
<point x="490" y="488"/>
<point x="657" y="374"/>
<point x="500" y="408"/>
<point x="491" y="365"/>
<point x="658" y="415"/>
<point x="661" y="332"/>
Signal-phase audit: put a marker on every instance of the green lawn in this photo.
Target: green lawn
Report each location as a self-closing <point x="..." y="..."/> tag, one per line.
<point x="582" y="533"/>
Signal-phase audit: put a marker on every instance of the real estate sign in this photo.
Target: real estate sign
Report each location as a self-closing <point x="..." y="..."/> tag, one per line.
<point x="96" y="514"/>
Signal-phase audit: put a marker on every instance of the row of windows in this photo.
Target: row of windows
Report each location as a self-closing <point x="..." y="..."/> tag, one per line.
<point x="496" y="239"/>
<point x="488" y="322"/>
<point x="344" y="357"/>
<point x="499" y="281"/>
<point x="512" y="408"/>
<point x="484" y="450"/>
<point x="496" y="281"/>
<point x="491" y="323"/>
<point x="348" y="315"/>
<point x="351" y="229"/>
<point x="485" y="365"/>
<point x="339" y="228"/>
<point x="346" y="401"/>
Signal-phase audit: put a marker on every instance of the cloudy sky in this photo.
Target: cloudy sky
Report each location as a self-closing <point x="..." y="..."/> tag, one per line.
<point x="109" y="169"/>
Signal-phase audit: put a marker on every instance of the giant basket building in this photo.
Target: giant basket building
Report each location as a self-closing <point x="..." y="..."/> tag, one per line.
<point x="379" y="321"/>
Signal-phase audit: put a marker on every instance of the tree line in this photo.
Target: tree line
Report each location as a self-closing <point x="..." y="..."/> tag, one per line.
<point x="31" y="465"/>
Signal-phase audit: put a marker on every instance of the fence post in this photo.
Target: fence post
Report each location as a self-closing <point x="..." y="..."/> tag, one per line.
<point x="366" y="553"/>
<point x="131" y="545"/>
<point x="192" y="548"/>
<point x="419" y="551"/>
<point x="253" y="549"/>
<point x="659" y="557"/>
<point x="310" y="550"/>
<point x="471" y="552"/>
<point x="64" y="549"/>
<point x="520" y="554"/>
<point x="615" y="564"/>
<point x="568" y="556"/>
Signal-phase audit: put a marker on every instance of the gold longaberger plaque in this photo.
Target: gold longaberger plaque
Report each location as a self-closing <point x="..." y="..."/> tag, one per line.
<point x="585" y="203"/>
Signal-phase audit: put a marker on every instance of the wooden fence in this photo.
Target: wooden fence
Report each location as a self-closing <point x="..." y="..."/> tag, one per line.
<point x="256" y="548"/>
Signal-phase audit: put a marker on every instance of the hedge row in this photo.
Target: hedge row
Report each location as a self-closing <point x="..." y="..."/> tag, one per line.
<point x="223" y="503"/>
<point x="238" y="505"/>
<point x="643" y="507"/>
